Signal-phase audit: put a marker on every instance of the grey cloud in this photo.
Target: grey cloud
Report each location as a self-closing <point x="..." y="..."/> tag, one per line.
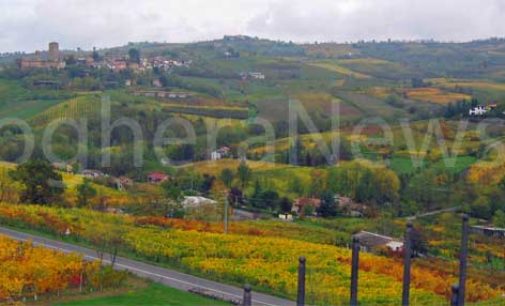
<point x="30" y="24"/>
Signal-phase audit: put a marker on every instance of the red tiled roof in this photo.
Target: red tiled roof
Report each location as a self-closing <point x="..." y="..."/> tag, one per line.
<point x="157" y="176"/>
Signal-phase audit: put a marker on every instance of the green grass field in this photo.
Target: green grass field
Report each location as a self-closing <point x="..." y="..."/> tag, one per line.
<point x="405" y="165"/>
<point x="19" y="102"/>
<point x="153" y="295"/>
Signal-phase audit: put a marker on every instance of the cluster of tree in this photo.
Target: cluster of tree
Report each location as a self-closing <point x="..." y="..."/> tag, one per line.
<point x="328" y="207"/>
<point x="486" y="202"/>
<point x="268" y="199"/>
<point x="365" y="183"/>
<point x="435" y="188"/>
<point x="395" y="101"/>
<point x="41" y="183"/>
<point x="459" y="108"/>
<point x="299" y="155"/>
<point x="188" y="183"/>
<point x="243" y="174"/>
<point x="419" y="83"/>
<point x="261" y="198"/>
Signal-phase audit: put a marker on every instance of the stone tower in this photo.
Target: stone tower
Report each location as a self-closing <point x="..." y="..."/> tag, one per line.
<point x="54" y="51"/>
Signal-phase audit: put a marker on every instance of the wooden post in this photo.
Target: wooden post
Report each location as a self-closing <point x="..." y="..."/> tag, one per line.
<point x="226" y="214"/>
<point x="463" y="255"/>
<point x="454" y="296"/>
<point x="300" y="298"/>
<point x="354" y="271"/>
<point x="407" y="249"/>
<point x="247" y="301"/>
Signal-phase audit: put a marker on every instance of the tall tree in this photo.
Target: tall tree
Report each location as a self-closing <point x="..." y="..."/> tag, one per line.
<point x="227" y="177"/>
<point x="328" y="206"/>
<point x="134" y="55"/>
<point x="85" y="192"/>
<point x="419" y="244"/>
<point x="42" y="185"/>
<point x="499" y="219"/>
<point x="317" y="184"/>
<point x="285" y="205"/>
<point x="244" y="174"/>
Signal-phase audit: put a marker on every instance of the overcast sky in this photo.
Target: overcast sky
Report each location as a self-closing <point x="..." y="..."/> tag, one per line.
<point x="27" y="25"/>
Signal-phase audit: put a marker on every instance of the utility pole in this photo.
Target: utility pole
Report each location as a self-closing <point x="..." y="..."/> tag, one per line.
<point x="226" y="214"/>
<point x="300" y="297"/>
<point x="354" y="271"/>
<point x="463" y="256"/>
<point x="247" y="300"/>
<point x="455" y="295"/>
<point x="407" y="249"/>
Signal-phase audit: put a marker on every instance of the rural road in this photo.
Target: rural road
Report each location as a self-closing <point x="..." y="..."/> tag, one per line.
<point x="165" y="276"/>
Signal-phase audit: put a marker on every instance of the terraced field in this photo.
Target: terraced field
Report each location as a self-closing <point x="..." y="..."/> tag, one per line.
<point x="377" y="68"/>
<point x="475" y="84"/>
<point x="335" y="67"/>
<point x="81" y="107"/>
<point x="435" y="95"/>
<point x="372" y="107"/>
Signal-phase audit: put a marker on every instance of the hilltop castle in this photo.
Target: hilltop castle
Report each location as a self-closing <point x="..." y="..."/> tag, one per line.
<point x="51" y="59"/>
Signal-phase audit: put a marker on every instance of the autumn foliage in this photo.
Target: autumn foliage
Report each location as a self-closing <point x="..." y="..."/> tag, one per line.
<point x="256" y="257"/>
<point x="29" y="271"/>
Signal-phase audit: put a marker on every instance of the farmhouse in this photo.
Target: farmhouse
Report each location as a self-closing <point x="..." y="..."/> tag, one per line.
<point x="286" y="217"/>
<point x="220" y="153"/>
<point x="92" y="174"/>
<point x="257" y="75"/>
<point x="123" y="182"/>
<point x="489" y="231"/>
<point x="349" y="207"/>
<point x="252" y="75"/>
<point x="477" y="111"/>
<point x="369" y="241"/>
<point x="196" y="202"/>
<point x="157" y="83"/>
<point x="157" y="177"/>
<point x="300" y="205"/>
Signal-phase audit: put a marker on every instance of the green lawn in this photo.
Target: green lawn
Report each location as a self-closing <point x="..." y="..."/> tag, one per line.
<point x="402" y="165"/>
<point x="153" y="295"/>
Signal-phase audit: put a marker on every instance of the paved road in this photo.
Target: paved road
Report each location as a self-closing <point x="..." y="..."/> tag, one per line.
<point x="431" y="213"/>
<point x="168" y="277"/>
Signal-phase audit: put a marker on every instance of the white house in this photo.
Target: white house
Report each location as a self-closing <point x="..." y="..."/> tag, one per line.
<point x="92" y="174"/>
<point x="257" y="75"/>
<point x="286" y="217"/>
<point x="252" y="75"/>
<point x="215" y="155"/>
<point x="196" y="201"/>
<point x="220" y="153"/>
<point x="395" y="246"/>
<point x="477" y="111"/>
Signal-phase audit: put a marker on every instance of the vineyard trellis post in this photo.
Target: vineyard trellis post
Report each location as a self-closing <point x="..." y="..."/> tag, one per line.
<point x="354" y="271"/>
<point x="247" y="300"/>
<point x="407" y="249"/>
<point x="463" y="255"/>
<point x="455" y="295"/>
<point x="300" y="298"/>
